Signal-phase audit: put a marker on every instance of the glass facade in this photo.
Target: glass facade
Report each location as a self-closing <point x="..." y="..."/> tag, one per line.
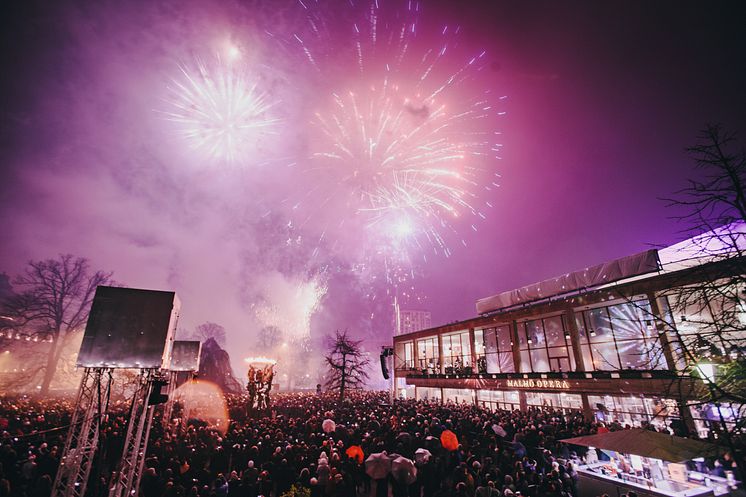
<point x="563" y="401"/>
<point x="404" y="355"/>
<point x="428" y="354"/>
<point x="620" y="336"/>
<point x="456" y="352"/>
<point x="544" y="347"/>
<point x="499" y="399"/>
<point x="710" y="321"/>
<point x="409" y="355"/>
<point x="427" y="393"/>
<point x="404" y="391"/>
<point x="498" y="350"/>
<point x="633" y="410"/>
<point x="479" y="351"/>
<point x="458" y="395"/>
<point x="710" y="417"/>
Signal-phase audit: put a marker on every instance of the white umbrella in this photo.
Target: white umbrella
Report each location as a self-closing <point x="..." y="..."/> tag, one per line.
<point x="328" y="426"/>
<point x="421" y="456"/>
<point x="499" y="431"/>
<point x="404" y="470"/>
<point x="378" y="465"/>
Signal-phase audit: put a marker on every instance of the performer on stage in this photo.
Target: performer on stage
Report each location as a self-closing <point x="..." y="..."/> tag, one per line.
<point x="259" y="385"/>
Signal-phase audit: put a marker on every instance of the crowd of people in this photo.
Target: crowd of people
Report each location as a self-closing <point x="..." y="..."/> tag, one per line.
<point x="295" y="450"/>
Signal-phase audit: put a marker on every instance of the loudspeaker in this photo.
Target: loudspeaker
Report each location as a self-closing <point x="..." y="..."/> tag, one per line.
<point x="129" y="328"/>
<point x="156" y="393"/>
<point x="384" y="367"/>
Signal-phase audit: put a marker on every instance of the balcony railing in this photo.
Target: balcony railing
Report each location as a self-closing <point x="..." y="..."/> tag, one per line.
<point x="571" y="375"/>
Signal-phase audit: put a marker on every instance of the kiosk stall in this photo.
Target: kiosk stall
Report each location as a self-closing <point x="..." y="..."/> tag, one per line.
<point x="650" y="463"/>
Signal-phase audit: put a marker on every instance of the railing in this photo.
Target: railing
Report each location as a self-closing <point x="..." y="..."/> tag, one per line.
<point x="458" y="364"/>
<point x="467" y="372"/>
<point x="406" y="364"/>
<point x="428" y="366"/>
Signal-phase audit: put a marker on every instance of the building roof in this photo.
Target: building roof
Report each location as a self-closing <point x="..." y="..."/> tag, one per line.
<point x="648" y="443"/>
<point x="590" y="277"/>
<point x="723" y="242"/>
<point x="725" y="245"/>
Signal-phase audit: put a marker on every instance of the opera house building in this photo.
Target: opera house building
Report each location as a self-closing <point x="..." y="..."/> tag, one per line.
<point x="638" y="340"/>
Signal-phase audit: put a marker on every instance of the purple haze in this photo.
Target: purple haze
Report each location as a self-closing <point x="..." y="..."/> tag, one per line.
<point x="602" y="100"/>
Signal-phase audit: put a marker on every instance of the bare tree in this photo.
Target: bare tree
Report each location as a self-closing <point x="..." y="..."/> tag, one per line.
<point x="711" y="312"/>
<point x="54" y="302"/>
<point x="718" y="199"/>
<point x="347" y="364"/>
<point x="715" y="210"/>
<point x="269" y="337"/>
<point x="208" y="330"/>
<point x="701" y="317"/>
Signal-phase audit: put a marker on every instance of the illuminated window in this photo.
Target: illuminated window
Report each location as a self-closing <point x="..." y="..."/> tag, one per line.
<point x="456" y="352"/>
<point x="620" y="336"/>
<point x="543" y="346"/>
<point x="428" y="354"/>
<point x="498" y="350"/>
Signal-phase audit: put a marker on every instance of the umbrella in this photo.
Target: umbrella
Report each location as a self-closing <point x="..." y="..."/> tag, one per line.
<point x="328" y="426"/>
<point x="499" y="431"/>
<point x="404" y="437"/>
<point x="421" y="456"/>
<point x="378" y="465"/>
<point x="403" y="470"/>
<point x="355" y="452"/>
<point x="432" y="443"/>
<point x="449" y="440"/>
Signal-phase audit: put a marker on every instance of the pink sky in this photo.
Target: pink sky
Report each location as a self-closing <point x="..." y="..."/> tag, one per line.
<point x="602" y="100"/>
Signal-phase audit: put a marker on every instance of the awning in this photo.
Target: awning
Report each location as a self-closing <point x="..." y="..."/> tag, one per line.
<point x="647" y="443"/>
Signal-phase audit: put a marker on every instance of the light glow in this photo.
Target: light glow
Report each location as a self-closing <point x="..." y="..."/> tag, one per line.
<point x="260" y="361"/>
<point x="403" y="144"/>
<point x="706" y="371"/>
<point x="218" y="109"/>
<point x="205" y="401"/>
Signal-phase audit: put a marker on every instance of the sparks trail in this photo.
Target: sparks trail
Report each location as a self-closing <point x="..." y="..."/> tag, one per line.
<point x="218" y="109"/>
<point x="402" y="144"/>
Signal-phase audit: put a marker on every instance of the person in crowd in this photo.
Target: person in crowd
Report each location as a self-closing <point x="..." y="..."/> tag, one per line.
<point x="287" y="452"/>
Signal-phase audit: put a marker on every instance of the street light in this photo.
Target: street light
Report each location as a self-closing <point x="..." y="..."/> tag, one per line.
<point x="706" y="371"/>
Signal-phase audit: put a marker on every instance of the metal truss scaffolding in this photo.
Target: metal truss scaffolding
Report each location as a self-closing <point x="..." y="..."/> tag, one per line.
<point x="173" y="383"/>
<point x="82" y="438"/>
<point x="168" y="408"/>
<point x="127" y="480"/>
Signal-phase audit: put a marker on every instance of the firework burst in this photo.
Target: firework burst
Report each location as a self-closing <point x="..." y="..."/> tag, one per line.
<point x="218" y="109"/>
<point x="305" y="294"/>
<point x="405" y="144"/>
